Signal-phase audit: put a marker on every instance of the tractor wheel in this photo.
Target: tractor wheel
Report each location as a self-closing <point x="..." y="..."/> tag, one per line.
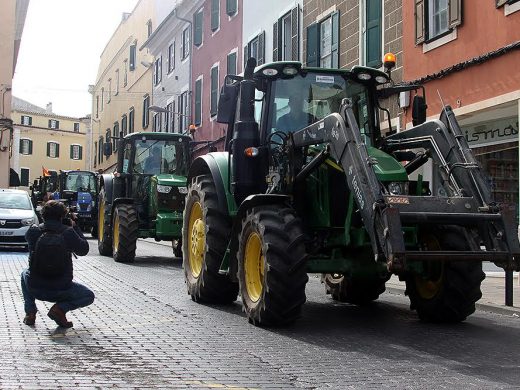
<point x="177" y="247"/>
<point x="104" y="238"/>
<point x="124" y="234"/>
<point x="205" y="236"/>
<point x="449" y="291"/>
<point x="271" y="265"/>
<point x="355" y="290"/>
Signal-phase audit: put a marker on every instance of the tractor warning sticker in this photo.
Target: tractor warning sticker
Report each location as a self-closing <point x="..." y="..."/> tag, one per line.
<point x="325" y="79"/>
<point x="398" y="200"/>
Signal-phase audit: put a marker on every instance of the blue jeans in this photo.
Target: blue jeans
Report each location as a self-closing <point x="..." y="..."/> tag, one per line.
<point x="74" y="297"/>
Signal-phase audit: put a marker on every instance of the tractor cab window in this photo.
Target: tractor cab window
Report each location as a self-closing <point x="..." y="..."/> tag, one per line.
<point x="83" y="182"/>
<point x="155" y="157"/>
<point x="127" y="153"/>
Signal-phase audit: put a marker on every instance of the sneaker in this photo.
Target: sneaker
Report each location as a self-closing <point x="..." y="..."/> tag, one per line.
<point x="58" y="316"/>
<point x="29" y="318"/>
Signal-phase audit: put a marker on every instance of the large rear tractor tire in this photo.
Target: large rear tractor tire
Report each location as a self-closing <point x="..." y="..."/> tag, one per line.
<point x="104" y="228"/>
<point x="450" y="290"/>
<point x="355" y="290"/>
<point x="271" y="265"/>
<point x="124" y="233"/>
<point x="205" y="236"/>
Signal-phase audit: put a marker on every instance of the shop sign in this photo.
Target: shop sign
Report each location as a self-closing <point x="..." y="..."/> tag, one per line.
<point x="493" y="132"/>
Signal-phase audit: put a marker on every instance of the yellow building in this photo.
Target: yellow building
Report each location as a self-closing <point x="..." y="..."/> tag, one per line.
<point x="42" y="138"/>
<point x="12" y="20"/>
<point x="123" y="89"/>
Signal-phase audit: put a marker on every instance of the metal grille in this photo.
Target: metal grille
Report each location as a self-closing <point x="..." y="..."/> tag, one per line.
<point x="11" y="224"/>
<point x="173" y="201"/>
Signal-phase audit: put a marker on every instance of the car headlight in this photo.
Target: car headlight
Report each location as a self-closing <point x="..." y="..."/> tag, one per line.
<point x="395" y="188"/>
<point x="28" y="221"/>
<point x="163" y="189"/>
<point x="183" y="190"/>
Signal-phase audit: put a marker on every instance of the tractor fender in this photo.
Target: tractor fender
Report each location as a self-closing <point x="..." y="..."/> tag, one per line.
<point x="106" y="181"/>
<point x="123" y="200"/>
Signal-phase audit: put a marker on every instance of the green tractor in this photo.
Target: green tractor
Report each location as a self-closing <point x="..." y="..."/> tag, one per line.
<point x="145" y="196"/>
<point x="313" y="186"/>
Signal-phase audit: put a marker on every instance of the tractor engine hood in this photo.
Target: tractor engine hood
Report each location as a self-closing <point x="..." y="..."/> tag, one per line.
<point x="387" y="168"/>
<point x="167" y="179"/>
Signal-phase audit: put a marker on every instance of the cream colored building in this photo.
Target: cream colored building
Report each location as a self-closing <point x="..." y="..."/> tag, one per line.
<point x="12" y="20"/>
<point x="123" y="89"/>
<point x="43" y="139"/>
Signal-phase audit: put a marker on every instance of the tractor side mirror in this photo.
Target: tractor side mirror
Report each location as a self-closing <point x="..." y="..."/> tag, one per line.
<point x="419" y="110"/>
<point x="107" y="149"/>
<point x="227" y="99"/>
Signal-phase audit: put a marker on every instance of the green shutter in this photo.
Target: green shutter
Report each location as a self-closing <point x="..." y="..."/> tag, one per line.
<point x="48" y="149"/>
<point x="231" y="7"/>
<point x="419" y="22"/>
<point x="335" y="39"/>
<point x="30" y="146"/>
<point x="214" y="90"/>
<point x="261" y="49"/>
<point x="295" y="33"/>
<point x="313" y="35"/>
<point x="71" y="152"/>
<point x="373" y="55"/>
<point x="197" y="38"/>
<point x="198" y="102"/>
<point x="215" y="10"/>
<point x="276" y="39"/>
<point x="80" y="152"/>
<point x="57" y="150"/>
<point x="20" y="146"/>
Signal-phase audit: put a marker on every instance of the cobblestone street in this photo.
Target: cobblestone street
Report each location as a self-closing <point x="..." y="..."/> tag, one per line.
<point x="143" y="331"/>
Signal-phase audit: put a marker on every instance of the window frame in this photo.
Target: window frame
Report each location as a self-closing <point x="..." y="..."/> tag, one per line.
<point x="22" y="170"/>
<point x="54" y="124"/>
<point x="29" y="146"/>
<point x="22" y="120"/>
<point x="214" y="90"/>
<point x="146" y="113"/>
<point x="198" y="28"/>
<point x="157" y="71"/>
<point x="56" y="145"/>
<point x="79" y="148"/>
<point x="185" y="52"/>
<point x="171" y="57"/>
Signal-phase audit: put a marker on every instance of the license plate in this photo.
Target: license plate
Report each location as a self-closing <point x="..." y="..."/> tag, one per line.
<point x="84" y="215"/>
<point x="5" y="233"/>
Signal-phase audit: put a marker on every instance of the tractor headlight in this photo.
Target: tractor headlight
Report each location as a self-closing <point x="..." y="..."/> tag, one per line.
<point x="183" y="190"/>
<point x="395" y="188"/>
<point x="28" y="221"/>
<point x="163" y="189"/>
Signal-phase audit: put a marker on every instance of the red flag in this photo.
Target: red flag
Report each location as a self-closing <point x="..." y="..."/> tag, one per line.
<point x="45" y="171"/>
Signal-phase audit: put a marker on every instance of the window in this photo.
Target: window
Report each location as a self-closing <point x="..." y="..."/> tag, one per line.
<point x="53" y="149"/>
<point x="26" y="146"/>
<point x="198" y="28"/>
<point x="157" y="122"/>
<point x="215" y="15"/>
<point x="97" y="106"/>
<point x="76" y="127"/>
<point x="131" y="115"/>
<point x="115" y="137"/>
<point x="146" y="114"/>
<point x="286" y="37"/>
<point x="232" y="63"/>
<point x="124" y="125"/>
<point x="102" y="98"/>
<point x="170" y="107"/>
<point x="157" y="71"/>
<point x="132" y="56"/>
<point x="171" y="57"/>
<point x="100" y="150"/>
<point x="198" y="101"/>
<point x="323" y="43"/>
<point x="372" y="34"/>
<point x="95" y="153"/>
<point x="435" y="18"/>
<point x="149" y="28"/>
<point x="125" y="73"/>
<point x="24" y="177"/>
<point x="109" y="97"/>
<point x="183" y="112"/>
<point x="255" y="49"/>
<point x="26" y="120"/>
<point x="231" y="7"/>
<point x="54" y="124"/>
<point x="214" y="91"/>
<point x="117" y="82"/>
<point x="76" y="152"/>
<point x="107" y="138"/>
<point x="185" y="50"/>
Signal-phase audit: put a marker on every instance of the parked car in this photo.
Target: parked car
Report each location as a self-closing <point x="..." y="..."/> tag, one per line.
<point x="16" y="216"/>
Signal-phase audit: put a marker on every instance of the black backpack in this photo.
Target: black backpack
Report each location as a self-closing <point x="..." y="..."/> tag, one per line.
<point x="50" y="256"/>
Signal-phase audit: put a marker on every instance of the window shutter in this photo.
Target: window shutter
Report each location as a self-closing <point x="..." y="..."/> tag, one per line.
<point x="455" y="10"/>
<point x="57" y="124"/>
<point x="80" y="152"/>
<point x="246" y="55"/>
<point x="276" y="56"/>
<point x="261" y="49"/>
<point x="48" y="149"/>
<point x="198" y="102"/>
<point x="71" y="152"/>
<point x="20" y="146"/>
<point x="57" y="150"/>
<point x="419" y="22"/>
<point x="50" y="124"/>
<point x="500" y="3"/>
<point x="215" y="8"/>
<point x="295" y="33"/>
<point x="312" y="45"/>
<point x="373" y="34"/>
<point x="231" y="7"/>
<point x="335" y="39"/>
<point x="214" y="90"/>
<point x="197" y="39"/>
<point x="30" y="146"/>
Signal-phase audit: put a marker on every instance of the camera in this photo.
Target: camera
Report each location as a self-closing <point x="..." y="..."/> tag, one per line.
<point x="70" y="216"/>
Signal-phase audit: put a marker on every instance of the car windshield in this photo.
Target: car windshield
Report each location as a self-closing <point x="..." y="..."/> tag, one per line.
<point x="15" y="201"/>
<point x="155" y="157"/>
<point x="81" y="181"/>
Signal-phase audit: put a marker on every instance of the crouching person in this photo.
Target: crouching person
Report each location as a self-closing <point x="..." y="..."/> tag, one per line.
<point x="49" y="276"/>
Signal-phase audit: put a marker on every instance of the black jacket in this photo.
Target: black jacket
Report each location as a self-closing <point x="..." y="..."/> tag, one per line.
<point x="75" y="242"/>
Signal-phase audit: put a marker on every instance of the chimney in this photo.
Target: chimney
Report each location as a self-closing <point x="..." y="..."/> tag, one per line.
<point x="48" y="108"/>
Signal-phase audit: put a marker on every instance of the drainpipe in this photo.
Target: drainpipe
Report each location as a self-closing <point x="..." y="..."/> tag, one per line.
<point x="190" y="66"/>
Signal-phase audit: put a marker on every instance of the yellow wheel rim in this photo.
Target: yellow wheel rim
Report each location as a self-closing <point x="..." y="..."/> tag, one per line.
<point x="254" y="263"/>
<point x="101" y="220"/>
<point x="196" y="239"/>
<point x="430" y="287"/>
<point x="115" y="238"/>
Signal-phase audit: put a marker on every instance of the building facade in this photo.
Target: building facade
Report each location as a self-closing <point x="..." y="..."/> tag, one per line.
<point x="473" y="71"/>
<point x="12" y="20"/>
<point x="217" y="49"/>
<point x="44" y="139"/>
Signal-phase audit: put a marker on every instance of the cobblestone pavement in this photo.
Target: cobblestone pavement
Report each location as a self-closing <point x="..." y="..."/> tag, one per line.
<point x="143" y="331"/>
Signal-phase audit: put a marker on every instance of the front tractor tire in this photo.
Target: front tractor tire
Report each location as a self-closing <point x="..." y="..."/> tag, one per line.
<point x="205" y="236"/>
<point x="449" y="290"/>
<point x="104" y="228"/>
<point x="124" y="234"/>
<point x="271" y="265"/>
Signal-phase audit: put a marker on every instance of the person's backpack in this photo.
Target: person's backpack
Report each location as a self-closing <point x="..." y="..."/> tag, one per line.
<point x="50" y="256"/>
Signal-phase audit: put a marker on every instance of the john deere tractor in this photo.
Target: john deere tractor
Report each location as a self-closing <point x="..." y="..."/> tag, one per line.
<point x="313" y="186"/>
<point x="145" y="196"/>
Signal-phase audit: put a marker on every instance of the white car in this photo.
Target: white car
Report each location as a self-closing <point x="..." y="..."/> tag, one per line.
<point x="16" y="216"/>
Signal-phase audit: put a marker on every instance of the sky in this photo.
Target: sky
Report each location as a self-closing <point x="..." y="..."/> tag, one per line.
<point x="59" y="56"/>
